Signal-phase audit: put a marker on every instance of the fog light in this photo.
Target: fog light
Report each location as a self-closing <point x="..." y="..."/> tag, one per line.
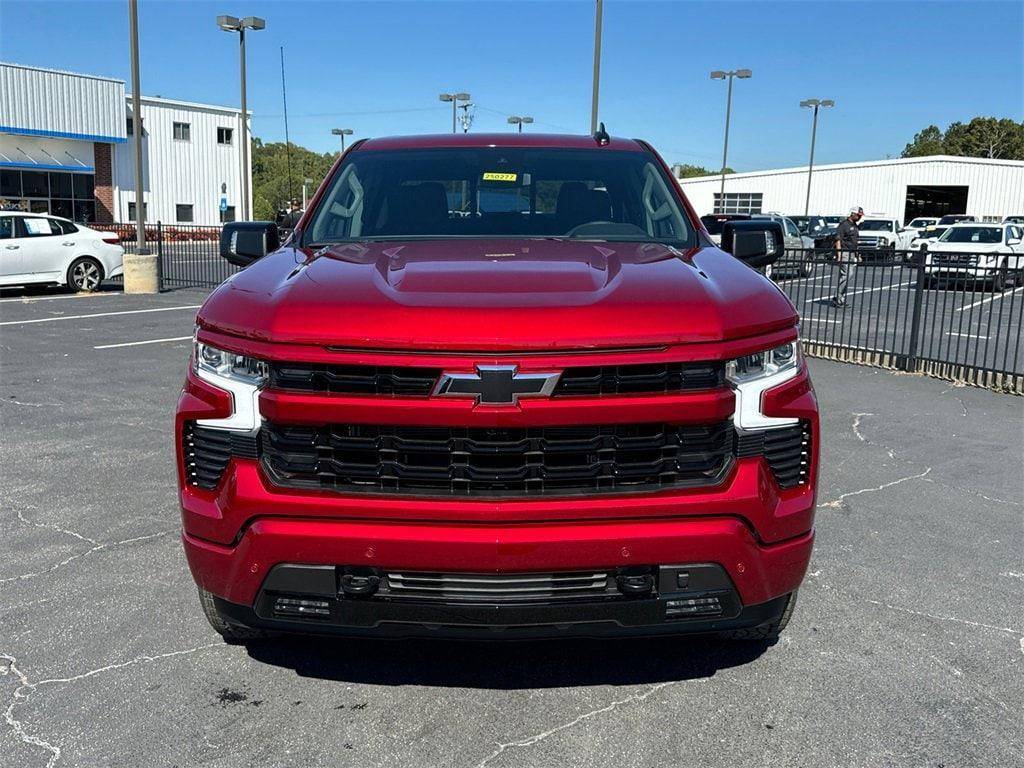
<point x="694" y="606"/>
<point x="298" y="607"/>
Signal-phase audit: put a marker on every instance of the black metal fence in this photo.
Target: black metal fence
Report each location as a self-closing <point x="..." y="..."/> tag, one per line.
<point x="189" y="253"/>
<point x="957" y="316"/>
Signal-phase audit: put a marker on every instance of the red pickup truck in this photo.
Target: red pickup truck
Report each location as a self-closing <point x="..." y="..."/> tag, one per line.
<point x="498" y="386"/>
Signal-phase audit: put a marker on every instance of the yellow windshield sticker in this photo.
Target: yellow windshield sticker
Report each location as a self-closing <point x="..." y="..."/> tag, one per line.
<point x="490" y="176"/>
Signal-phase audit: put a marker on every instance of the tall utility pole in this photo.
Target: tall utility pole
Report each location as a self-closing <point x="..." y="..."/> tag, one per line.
<point x="597" y="66"/>
<point x="140" y="195"/>
<point x="454" y="98"/>
<point x="815" y="103"/>
<point x="232" y="24"/>
<point x="467" y="116"/>
<point x="718" y="74"/>
<point x="287" y="140"/>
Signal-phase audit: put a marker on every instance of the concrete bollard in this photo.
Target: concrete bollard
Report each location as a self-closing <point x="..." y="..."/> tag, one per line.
<point x="140" y="273"/>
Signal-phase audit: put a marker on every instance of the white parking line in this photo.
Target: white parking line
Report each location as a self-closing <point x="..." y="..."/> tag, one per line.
<point x="990" y="298"/>
<point x="29" y="300"/>
<point x="965" y="335"/>
<point x="863" y="290"/>
<point x="98" y="314"/>
<point x="140" y="343"/>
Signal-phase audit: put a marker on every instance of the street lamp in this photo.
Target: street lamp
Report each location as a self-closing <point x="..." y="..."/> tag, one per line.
<point x="815" y="103"/>
<point x="342" y="132"/>
<point x="718" y="74"/>
<point x="233" y="24"/>
<point x="454" y="98"/>
<point x="517" y="120"/>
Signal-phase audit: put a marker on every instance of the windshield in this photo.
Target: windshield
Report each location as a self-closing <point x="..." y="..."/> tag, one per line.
<point x="932" y="234"/>
<point x="875" y="225"/>
<point x="973" y="235"/>
<point x="1014" y="220"/>
<point x="499" y="192"/>
<point x="922" y="222"/>
<point x="953" y="218"/>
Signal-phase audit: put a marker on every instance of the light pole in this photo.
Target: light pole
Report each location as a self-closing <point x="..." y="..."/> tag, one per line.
<point x="140" y="195"/>
<point x="815" y="103"/>
<point x="517" y="120"/>
<point x="342" y="132"/>
<point x="597" y="65"/>
<point x="454" y="98"/>
<point x="232" y="24"/>
<point x="718" y="74"/>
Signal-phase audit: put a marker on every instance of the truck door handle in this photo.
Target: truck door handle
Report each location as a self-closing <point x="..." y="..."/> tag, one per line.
<point x="13" y="247"/>
<point x="67" y="243"/>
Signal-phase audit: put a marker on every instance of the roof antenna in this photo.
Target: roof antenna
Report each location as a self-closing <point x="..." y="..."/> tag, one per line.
<point x="601" y="136"/>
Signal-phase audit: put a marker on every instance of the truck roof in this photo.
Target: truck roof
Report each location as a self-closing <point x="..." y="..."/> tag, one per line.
<point x="441" y="140"/>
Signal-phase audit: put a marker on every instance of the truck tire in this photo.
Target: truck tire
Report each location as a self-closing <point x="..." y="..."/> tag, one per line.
<point x="769" y="631"/>
<point x="232" y="633"/>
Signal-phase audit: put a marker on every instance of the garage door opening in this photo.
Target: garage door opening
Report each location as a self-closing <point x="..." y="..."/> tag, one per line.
<point x="934" y="201"/>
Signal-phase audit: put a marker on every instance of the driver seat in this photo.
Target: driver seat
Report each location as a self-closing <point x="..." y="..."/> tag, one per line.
<point x="578" y="205"/>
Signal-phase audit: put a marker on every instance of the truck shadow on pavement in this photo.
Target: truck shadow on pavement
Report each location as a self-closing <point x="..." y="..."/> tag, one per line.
<point x="507" y="665"/>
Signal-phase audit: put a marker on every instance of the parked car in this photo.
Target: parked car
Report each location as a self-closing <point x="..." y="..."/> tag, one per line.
<point x="923" y="240"/>
<point x="824" y="238"/>
<point x="713" y="223"/>
<point x="582" y="418"/>
<point x="990" y="252"/>
<point x="39" y="249"/>
<point x="810" y="226"/>
<point x="797" y="262"/>
<point x="918" y="225"/>
<point x="880" y="236"/>
<point x="954" y="218"/>
<point x="1014" y="220"/>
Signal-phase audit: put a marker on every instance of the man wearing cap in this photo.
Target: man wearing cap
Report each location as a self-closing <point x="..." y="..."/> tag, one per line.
<point x="847" y="236"/>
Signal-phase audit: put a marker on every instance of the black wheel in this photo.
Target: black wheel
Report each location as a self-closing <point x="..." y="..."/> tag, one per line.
<point x="807" y="270"/>
<point x="232" y="633"/>
<point x="85" y="274"/>
<point x="999" y="281"/>
<point x="769" y="631"/>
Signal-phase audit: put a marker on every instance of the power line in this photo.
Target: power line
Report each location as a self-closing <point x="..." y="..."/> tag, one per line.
<point x="360" y="112"/>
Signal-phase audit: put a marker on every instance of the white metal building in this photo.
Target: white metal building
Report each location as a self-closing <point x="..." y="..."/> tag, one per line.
<point x="65" y="149"/>
<point x="904" y="188"/>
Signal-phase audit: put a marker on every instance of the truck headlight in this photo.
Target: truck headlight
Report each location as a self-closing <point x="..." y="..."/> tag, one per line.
<point x="883" y="241"/>
<point x="750" y="375"/>
<point x="242" y="376"/>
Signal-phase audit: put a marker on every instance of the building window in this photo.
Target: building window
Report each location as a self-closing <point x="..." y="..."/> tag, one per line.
<point x="225" y="135"/>
<point x="183" y="213"/>
<point x="183" y="132"/>
<point x="738" y="202"/>
<point x="227" y="215"/>
<point x="131" y="127"/>
<point x="131" y="210"/>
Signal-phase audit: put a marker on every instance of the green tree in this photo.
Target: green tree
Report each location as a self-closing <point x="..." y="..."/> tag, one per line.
<point x="271" y="186"/>
<point x="982" y="137"/>
<point x="927" y="142"/>
<point x="686" y="171"/>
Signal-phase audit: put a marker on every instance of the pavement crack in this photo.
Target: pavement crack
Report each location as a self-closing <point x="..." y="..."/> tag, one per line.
<point x="975" y="493"/>
<point x="26" y="688"/>
<point x="57" y="528"/>
<point x="12" y="401"/>
<point x="529" y="741"/>
<point x="937" y="617"/>
<point x="86" y="553"/>
<point x="838" y="502"/>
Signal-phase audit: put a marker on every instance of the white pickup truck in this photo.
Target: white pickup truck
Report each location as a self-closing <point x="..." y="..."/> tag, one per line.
<point x="882" y="234"/>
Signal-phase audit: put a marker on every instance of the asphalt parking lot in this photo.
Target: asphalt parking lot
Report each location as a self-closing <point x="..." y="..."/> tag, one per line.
<point x="906" y="649"/>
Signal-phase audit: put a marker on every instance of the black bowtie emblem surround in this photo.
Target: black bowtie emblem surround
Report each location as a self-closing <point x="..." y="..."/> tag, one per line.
<point x="496" y="384"/>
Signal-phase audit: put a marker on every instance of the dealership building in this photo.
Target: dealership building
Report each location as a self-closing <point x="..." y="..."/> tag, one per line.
<point x="66" y="148"/>
<point x="904" y="188"/>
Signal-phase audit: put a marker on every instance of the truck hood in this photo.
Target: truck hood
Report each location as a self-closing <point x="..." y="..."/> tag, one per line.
<point x="499" y="295"/>
<point x="939" y="247"/>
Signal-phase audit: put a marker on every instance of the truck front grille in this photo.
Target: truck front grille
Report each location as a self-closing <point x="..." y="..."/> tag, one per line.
<point x="207" y="452"/>
<point x="497" y="461"/>
<point x="787" y="450"/>
<point x="491" y="587"/>
<point x="650" y="378"/>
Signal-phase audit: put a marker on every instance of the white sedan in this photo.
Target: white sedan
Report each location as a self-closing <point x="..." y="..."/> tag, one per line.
<point x="992" y="252"/>
<point x="37" y="248"/>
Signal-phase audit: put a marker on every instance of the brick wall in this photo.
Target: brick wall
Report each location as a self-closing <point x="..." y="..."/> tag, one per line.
<point x="104" y="183"/>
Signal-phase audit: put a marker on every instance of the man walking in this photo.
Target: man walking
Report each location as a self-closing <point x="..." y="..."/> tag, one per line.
<point x="847" y="236"/>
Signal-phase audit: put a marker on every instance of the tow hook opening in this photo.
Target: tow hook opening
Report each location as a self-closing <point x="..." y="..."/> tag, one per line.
<point x="635" y="582"/>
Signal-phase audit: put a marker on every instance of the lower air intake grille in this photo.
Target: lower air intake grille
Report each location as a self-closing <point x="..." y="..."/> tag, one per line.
<point x="207" y="452"/>
<point x="491" y="588"/>
<point x="788" y="451"/>
<point x="497" y="461"/>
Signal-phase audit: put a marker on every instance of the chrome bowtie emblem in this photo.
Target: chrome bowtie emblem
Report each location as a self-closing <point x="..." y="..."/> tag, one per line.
<point x="496" y="384"/>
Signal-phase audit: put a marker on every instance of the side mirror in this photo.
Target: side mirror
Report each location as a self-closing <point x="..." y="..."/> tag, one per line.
<point x="243" y="242"/>
<point x="757" y="242"/>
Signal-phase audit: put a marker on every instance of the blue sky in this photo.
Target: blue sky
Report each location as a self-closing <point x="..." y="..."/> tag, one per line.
<point x="377" y="67"/>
